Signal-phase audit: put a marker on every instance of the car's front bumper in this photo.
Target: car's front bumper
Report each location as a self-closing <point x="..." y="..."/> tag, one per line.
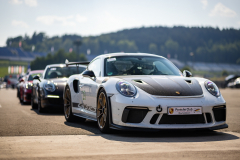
<point x="125" y="128"/>
<point x="49" y="102"/>
<point x="27" y="95"/>
<point x="52" y="99"/>
<point x="207" y="120"/>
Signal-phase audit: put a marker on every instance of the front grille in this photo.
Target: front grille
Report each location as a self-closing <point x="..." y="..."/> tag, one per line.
<point x="219" y="113"/>
<point x="182" y="119"/>
<point x="154" y="119"/>
<point x="208" y="117"/>
<point x="134" y="114"/>
<point x="56" y="101"/>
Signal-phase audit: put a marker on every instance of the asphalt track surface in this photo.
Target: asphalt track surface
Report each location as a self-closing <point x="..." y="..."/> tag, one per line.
<point x="26" y="134"/>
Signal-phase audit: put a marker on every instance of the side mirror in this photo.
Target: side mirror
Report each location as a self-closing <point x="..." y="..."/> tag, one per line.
<point x="187" y="73"/>
<point x="89" y="74"/>
<point x="37" y="77"/>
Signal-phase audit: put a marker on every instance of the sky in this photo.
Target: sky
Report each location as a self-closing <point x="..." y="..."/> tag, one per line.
<point x="95" y="17"/>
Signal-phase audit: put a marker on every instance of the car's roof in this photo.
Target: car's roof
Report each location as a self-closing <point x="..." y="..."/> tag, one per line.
<point x="36" y="71"/>
<point x="129" y="54"/>
<point x="64" y="65"/>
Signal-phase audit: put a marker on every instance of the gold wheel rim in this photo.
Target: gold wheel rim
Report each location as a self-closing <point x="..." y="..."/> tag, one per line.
<point x="102" y="110"/>
<point x="67" y="103"/>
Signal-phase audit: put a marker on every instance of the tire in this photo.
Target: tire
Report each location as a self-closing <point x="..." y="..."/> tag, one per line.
<point x="34" y="105"/>
<point x="20" y="99"/>
<point x="17" y="93"/>
<point x="103" y="112"/>
<point x="40" y="109"/>
<point x="68" y="108"/>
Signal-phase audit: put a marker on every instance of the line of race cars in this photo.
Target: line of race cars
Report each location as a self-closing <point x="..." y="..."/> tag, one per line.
<point x="127" y="91"/>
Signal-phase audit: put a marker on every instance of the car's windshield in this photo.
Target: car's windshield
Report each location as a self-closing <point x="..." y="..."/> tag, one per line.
<point x="139" y="65"/>
<point x="61" y="72"/>
<point x="30" y="77"/>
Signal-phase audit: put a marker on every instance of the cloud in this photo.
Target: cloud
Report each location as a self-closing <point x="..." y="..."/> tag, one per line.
<point x="20" y="24"/>
<point x="16" y="2"/>
<point x="80" y="18"/>
<point x="31" y="3"/>
<point x="205" y="3"/>
<point x="223" y="11"/>
<point x="64" y="20"/>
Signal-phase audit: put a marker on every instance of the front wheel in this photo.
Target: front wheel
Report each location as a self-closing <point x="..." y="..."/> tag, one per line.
<point x="34" y="105"/>
<point x="102" y="112"/>
<point x="40" y="109"/>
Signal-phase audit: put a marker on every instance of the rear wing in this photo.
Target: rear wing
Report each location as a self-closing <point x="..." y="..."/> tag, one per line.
<point x="75" y="63"/>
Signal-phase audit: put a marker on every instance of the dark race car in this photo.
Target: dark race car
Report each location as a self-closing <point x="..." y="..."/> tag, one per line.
<point x="25" y="86"/>
<point x="47" y="91"/>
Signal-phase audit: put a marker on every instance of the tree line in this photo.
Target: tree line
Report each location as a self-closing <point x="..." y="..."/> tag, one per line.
<point x="58" y="57"/>
<point x="200" y="44"/>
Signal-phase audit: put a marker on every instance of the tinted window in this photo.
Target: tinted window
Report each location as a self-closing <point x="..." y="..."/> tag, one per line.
<point x="95" y="66"/>
<point x="61" y="72"/>
<point x="139" y="65"/>
<point x="30" y="77"/>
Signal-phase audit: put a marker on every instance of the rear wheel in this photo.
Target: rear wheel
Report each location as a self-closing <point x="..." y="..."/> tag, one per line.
<point x="102" y="112"/>
<point x="68" y="108"/>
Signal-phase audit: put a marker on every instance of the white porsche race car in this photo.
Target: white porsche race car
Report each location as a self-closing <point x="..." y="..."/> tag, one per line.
<point x="139" y="91"/>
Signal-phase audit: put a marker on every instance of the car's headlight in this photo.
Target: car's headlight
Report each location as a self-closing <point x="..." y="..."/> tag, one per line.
<point x="212" y="88"/>
<point x="126" y="88"/>
<point x="49" y="86"/>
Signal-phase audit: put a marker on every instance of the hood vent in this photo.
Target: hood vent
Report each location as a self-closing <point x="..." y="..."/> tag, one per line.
<point x="188" y="81"/>
<point x="139" y="81"/>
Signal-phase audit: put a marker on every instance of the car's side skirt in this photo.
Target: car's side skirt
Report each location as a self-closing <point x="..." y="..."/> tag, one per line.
<point x="84" y="116"/>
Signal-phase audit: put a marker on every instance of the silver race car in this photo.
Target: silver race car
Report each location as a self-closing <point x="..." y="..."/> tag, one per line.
<point x="139" y="91"/>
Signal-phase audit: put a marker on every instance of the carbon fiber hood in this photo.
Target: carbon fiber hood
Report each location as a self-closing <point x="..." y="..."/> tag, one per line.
<point x="166" y="85"/>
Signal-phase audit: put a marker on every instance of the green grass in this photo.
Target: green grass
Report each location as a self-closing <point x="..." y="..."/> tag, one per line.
<point x="6" y="63"/>
<point x="3" y="71"/>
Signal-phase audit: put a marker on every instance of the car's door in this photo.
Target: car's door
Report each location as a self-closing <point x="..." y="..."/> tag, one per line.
<point x="89" y="87"/>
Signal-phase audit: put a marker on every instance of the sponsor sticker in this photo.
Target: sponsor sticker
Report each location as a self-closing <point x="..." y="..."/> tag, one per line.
<point x="184" y="110"/>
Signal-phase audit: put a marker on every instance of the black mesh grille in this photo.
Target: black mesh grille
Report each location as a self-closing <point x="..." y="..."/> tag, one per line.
<point x="182" y="119"/>
<point x="134" y="115"/>
<point x="209" y="117"/>
<point x="154" y="119"/>
<point x="56" y="101"/>
<point x="219" y="113"/>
